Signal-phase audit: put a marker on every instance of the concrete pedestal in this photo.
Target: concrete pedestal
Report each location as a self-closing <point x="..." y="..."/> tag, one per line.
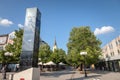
<point x="29" y="74"/>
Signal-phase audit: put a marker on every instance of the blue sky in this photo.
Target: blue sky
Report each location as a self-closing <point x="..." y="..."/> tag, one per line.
<point x="60" y="16"/>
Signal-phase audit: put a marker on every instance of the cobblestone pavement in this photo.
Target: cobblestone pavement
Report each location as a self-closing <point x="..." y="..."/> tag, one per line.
<point x="7" y="75"/>
<point x="76" y="75"/>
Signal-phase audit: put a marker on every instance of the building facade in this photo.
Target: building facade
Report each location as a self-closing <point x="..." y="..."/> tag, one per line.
<point x="5" y="39"/>
<point x="111" y="55"/>
<point x="11" y="36"/>
<point x="8" y="38"/>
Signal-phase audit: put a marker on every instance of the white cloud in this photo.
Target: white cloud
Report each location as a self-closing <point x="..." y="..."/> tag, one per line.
<point x="5" y="22"/>
<point x="20" y="26"/>
<point x="104" y="30"/>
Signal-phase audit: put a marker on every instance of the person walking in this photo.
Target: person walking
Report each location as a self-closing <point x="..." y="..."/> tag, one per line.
<point x="4" y="71"/>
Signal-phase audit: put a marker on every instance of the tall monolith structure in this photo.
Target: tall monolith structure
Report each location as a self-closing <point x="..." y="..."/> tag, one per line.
<point x="30" y="46"/>
<point x="31" y="36"/>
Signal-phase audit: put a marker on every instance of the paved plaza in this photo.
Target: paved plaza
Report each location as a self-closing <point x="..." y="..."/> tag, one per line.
<point x="76" y="75"/>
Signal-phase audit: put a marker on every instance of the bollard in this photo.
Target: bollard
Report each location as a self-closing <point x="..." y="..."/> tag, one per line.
<point x="11" y="77"/>
<point x="22" y="79"/>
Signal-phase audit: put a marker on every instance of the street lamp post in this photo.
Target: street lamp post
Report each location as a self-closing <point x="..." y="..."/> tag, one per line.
<point x="5" y="65"/>
<point x="84" y="53"/>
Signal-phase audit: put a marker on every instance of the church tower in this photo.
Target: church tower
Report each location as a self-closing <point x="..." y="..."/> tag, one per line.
<point x="55" y="45"/>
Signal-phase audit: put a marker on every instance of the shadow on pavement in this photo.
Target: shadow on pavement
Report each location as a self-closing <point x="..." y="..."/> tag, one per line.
<point x="86" y="78"/>
<point x="101" y="72"/>
<point x="56" y="73"/>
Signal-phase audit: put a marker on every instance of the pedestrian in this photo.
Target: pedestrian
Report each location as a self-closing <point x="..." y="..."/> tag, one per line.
<point x="103" y="68"/>
<point x="4" y="71"/>
<point x="16" y="67"/>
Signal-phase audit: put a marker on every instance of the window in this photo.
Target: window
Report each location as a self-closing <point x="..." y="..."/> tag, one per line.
<point x="116" y="43"/>
<point x="1" y="47"/>
<point x="107" y="56"/>
<point x="118" y="52"/>
<point x="110" y="46"/>
<point x="112" y="53"/>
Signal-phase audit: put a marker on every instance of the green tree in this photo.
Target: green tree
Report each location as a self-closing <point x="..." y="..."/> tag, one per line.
<point x="58" y="56"/>
<point x="82" y="39"/>
<point x="62" y="55"/>
<point x="2" y="57"/>
<point x="44" y="52"/>
<point x="55" y="57"/>
<point x="16" y="47"/>
<point x="73" y="59"/>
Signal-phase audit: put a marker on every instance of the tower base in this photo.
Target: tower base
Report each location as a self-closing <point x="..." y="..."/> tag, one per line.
<point x="28" y="74"/>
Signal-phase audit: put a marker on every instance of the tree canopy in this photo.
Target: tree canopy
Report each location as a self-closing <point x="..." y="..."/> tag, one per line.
<point x="58" y="56"/>
<point x="83" y="39"/>
<point x="44" y="52"/>
<point x="16" y="47"/>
